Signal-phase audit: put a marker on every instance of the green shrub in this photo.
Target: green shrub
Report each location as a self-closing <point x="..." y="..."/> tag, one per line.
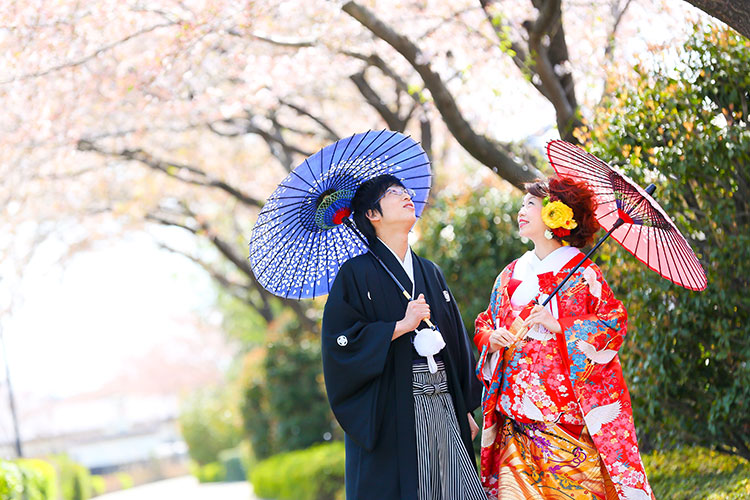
<point x="11" y="480"/>
<point x="39" y="479"/>
<point x="696" y="472"/>
<point x="75" y="479"/>
<point x="98" y="485"/>
<point x="685" y="128"/>
<point x="316" y="473"/>
<point x="233" y="464"/>
<point x="209" y="423"/>
<point x="126" y="480"/>
<point x="27" y="479"/>
<point x="284" y="405"/>
<point x="210" y="473"/>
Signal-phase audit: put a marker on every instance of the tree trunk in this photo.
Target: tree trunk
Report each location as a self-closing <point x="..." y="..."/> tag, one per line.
<point x="734" y="13"/>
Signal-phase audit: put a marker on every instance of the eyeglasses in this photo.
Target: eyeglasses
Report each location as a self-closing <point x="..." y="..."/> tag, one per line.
<point x="398" y="191"/>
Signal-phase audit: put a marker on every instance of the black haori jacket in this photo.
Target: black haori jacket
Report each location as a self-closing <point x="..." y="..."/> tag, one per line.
<point x="368" y="377"/>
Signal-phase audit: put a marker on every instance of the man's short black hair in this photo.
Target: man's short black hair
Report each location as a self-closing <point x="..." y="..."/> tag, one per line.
<point x="367" y="198"/>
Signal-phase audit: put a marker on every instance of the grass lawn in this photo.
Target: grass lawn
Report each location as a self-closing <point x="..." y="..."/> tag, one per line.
<point x="697" y="473"/>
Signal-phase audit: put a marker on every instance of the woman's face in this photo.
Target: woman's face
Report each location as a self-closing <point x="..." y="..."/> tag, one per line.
<point x="530" y="224"/>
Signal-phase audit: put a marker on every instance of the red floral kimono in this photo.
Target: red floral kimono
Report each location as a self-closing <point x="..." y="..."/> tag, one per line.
<point x="558" y="420"/>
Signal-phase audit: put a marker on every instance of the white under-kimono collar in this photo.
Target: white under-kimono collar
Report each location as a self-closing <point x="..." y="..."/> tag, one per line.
<point x="529" y="266"/>
<point x="407" y="263"/>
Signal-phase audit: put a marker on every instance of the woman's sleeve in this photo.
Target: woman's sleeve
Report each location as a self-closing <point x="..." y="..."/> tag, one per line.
<point x="483" y="327"/>
<point x="485" y="323"/>
<point x="354" y="352"/>
<point x="603" y="323"/>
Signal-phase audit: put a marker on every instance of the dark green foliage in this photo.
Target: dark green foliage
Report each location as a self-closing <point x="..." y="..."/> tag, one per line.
<point x="687" y="131"/>
<point x="285" y="407"/>
<point x="78" y="489"/>
<point x="472" y="237"/>
<point x="316" y="473"/>
<point x="257" y="419"/>
<point x="233" y="464"/>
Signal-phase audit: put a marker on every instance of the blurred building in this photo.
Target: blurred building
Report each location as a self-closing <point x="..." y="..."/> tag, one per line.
<point x="131" y="419"/>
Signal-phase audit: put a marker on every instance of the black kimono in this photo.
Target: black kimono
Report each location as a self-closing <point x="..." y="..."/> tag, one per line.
<point x="369" y="377"/>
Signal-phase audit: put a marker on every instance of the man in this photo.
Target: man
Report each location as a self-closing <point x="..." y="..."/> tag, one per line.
<point x="408" y="431"/>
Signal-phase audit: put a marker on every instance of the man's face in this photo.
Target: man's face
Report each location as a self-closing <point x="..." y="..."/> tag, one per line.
<point x="396" y="207"/>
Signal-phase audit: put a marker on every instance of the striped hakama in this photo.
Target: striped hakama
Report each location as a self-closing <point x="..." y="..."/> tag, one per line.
<point x="445" y="470"/>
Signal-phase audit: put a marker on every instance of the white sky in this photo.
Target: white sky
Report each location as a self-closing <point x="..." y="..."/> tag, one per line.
<point x="78" y="326"/>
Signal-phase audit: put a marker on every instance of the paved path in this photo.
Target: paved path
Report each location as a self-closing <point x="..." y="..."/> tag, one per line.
<point x="184" y="488"/>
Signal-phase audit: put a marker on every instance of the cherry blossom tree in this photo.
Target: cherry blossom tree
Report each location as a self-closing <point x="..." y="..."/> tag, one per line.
<point x="123" y="113"/>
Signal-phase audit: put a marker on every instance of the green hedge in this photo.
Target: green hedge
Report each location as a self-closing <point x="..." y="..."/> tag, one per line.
<point x="11" y="480"/>
<point x="233" y="462"/>
<point x="692" y="473"/>
<point x="212" y="472"/>
<point x="27" y="480"/>
<point x="126" y="480"/>
<point x="315" y="473"/>
<point x="75" y="479"/>
<point x="98" y="485"/>
<point x="232" y="465"/>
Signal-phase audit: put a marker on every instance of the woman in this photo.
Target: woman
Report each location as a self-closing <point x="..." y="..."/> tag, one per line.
<point x="557" y="414"/>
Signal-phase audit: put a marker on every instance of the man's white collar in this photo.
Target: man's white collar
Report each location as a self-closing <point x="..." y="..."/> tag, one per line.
<point x="407" y="263"/>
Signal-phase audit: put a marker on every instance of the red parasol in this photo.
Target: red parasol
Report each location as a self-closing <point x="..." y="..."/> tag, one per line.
<point x="631" y="216"/>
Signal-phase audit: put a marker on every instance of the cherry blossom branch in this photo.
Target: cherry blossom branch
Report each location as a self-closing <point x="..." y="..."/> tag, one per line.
<point x="544" y="61"/>
<point x="237" y="290"/>
<point x="86" y="58"/>
<point x="238" y="260"/>
<point x="332" y="135"/>
<point x="293" y="44"/>
<point x="487" y="151"/>
<point x="185" y="173"/>
<point x="618" y="14"/>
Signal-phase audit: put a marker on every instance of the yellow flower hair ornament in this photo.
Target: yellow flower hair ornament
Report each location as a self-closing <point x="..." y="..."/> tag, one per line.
<point x="558" y="217"/>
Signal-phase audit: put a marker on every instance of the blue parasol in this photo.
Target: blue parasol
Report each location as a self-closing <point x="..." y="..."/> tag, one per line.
<point x="303" y="233"/>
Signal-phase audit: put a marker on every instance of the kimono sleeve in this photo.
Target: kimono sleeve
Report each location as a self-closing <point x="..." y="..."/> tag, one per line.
<point x="602" y="319"/>
<point x="354" y="352"/>
<point x="483" y="327"/>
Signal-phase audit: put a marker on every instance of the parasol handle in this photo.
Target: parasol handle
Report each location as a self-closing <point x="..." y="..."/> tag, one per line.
<point x="348" y="223"/>
<point x="619" y="222"/>
<point x="409" y="298"/>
